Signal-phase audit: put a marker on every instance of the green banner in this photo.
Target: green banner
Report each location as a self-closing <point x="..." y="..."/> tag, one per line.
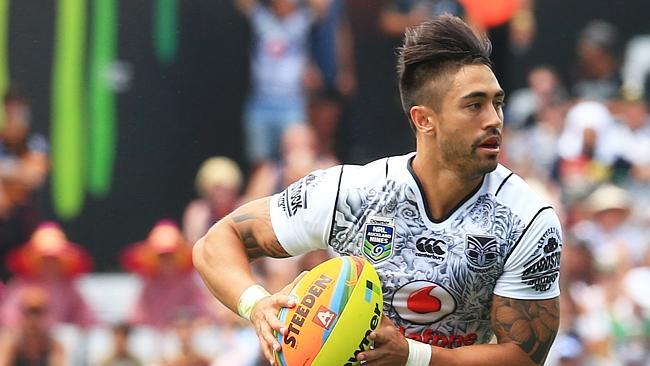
<point x="165" y="30"/>
<point x="101" y="102"/>
<point x="67" y="131"/>
<point x="4" y="55"/>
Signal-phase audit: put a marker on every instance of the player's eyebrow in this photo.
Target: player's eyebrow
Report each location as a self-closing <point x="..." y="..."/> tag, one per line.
<point x="480" y="94"/>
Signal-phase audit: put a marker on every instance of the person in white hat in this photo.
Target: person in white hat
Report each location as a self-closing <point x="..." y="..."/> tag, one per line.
<point x="608" y="231"/>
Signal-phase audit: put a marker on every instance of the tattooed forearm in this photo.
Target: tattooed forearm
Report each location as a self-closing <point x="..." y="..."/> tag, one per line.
<point x="531" y="324"/>
<point x="256" y="232"/>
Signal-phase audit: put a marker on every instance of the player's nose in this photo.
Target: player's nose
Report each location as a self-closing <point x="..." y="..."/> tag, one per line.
<point x="494" y="118"/>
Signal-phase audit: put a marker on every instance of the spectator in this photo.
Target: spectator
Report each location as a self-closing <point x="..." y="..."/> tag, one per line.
<point x="279" y="71"/>
<point x="597" y="75"/>
<point x="300" y="155"/>
<point x="615" y="242"/>
<point x="48" y="260"/>
<point x="121" y="355"/>
<point x="632" y="138"/>
<point x="511" y="27"/>
<point x="218" y="183"/>
<point x="325" y="112"/>
<point x="333" y="51"/>
<point x="401" y="14"/>
<point x="544" y="90"/>
<point x="186" y="355"/>
<point x="164" y="261"/>
<point x="631" y="318"/>
<point x="237" y="343"/>
<point x="23" y="168"/>
<point x="566" y="351"/>
<point x="583" y="148"/>
<point x="534" y="151"/>
<point x="636" y="66"/>
<point x="31" y="343"/>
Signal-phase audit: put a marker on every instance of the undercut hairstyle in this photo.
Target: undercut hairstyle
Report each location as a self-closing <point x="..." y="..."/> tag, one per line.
<point x="432" y="53"/>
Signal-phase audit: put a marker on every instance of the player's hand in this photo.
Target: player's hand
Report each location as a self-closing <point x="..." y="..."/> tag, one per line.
<point x="265" y="318"/>
<point x="390" y="347"/>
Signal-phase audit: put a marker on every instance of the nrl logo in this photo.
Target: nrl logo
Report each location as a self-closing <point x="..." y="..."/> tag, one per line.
<point x="378" y="238"/>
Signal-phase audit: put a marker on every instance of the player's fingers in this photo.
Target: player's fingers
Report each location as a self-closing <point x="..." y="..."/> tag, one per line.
<point x="267" y="351"/>
<point x="378" y="337"/>
<point x="275" y="323"/>
<point x="269" y="343"/>
<point x="369" y="356"/>
<point x="284" y="301"/>
<point x="386" y="322"/>
<point x="269" y="337"/>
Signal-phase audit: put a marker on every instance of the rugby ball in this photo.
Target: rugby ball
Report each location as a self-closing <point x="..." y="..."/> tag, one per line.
<point x="339" y="303"/>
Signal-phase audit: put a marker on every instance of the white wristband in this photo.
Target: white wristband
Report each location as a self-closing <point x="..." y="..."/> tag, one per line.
<point x="419" y="353"/>
<point x="249" y="298"/>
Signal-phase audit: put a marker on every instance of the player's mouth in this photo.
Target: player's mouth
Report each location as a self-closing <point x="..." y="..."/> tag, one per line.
<point x="491" y="144"/>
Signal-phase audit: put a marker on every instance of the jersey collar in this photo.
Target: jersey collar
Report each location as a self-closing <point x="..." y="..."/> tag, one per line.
<point x="423" y="206"/>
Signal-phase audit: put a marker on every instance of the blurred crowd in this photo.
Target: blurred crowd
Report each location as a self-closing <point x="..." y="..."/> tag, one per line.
<point x="583" y="142"/>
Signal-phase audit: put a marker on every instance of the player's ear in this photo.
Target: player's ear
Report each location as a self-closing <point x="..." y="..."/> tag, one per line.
<point x="424" y="120"/>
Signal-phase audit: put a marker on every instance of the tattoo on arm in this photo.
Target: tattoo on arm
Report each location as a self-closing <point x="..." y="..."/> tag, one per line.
<point x="241" y="218"/>
<point x="531" y="324"/>
<point x="253" y="224"/>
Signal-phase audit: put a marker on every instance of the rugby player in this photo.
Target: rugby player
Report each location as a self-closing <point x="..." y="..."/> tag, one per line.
<point x="464" y="248"/>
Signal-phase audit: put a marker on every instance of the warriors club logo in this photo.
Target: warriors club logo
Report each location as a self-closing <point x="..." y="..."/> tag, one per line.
<point x="423" y="302"/>
<point x="481" y="252"/>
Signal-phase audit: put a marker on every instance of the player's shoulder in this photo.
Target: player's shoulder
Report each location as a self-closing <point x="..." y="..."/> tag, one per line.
<point x="512" y="191"/>
<point x="373" y="173"/>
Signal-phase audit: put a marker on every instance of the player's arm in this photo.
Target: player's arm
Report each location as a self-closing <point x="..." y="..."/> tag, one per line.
<point x="222" y="256"/>
<point x="530" y="324"/>
<point x="525" y="304"/>
<point x="299" y="218"/>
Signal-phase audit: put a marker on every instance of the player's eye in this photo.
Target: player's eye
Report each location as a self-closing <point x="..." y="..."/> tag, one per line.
<point x="474" y="106"/>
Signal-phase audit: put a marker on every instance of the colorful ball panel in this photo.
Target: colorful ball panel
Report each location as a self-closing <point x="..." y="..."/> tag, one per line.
<point x="339" y="304"/>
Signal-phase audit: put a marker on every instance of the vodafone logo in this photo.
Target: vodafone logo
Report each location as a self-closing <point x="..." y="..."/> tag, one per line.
<point x="423" y="302"/>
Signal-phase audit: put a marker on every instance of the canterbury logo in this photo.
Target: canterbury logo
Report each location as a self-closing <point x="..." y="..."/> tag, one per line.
<point x="431" y="246"/>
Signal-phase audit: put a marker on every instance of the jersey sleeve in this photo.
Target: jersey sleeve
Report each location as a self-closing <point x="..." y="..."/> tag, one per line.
<point x="532" y="269"/>
<point x="301" y="215"/>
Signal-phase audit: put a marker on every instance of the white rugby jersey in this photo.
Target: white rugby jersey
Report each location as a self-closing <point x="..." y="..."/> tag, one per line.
<point x="438" y="277"/>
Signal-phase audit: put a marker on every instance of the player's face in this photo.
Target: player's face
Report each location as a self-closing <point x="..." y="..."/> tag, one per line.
<point x="471" y="121"/>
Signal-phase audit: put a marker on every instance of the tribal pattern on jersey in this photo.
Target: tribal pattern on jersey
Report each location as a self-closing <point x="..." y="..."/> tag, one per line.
<point x="438" y="280"/>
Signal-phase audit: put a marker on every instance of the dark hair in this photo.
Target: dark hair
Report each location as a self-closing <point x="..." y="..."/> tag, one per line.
<point x="14" y="94"/>
<point x="122" y="328"/>
<point x="436" y="48"/>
